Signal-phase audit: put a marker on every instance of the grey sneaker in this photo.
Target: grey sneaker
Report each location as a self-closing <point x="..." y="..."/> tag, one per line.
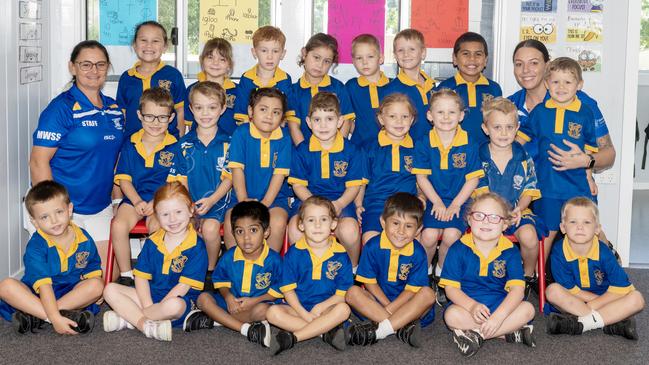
<point x="467" y="341"/>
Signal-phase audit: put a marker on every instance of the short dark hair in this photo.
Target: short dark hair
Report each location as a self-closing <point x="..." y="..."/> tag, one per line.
<point x="158" y="96"/>
<point x="470" y="37"/>
<point x="318" y="201"/>
<point x="44" y="191"/>
<point x="253" y="210"/>
<point x="209" y="89"/>
<point x="152" y="23"/>
<point x="269" y="92"/>
<point x="324" y="100"/>
<point x="533" y="43"/>
<point x="404" y="204"/>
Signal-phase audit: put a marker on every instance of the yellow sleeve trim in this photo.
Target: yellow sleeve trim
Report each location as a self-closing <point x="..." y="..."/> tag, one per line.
<point x="474" y="174"/>
<point x="225" y="175"/>
<point x="575" y="289"/>
<point x="480" y="191"/>
<point x="421" y="171"/>
<point x="289" y="113"/>
<point x="179" y="104"/>
<point x="352" y="183"/>
<point x="621" y="289"/>
<point x="241" y="117"/>
<point x="445" y="282"/>
<point x="188" y="123"/>
<point x="341" y="293"/>
<point x="93" y="274"/>
<point x="40" y="282"/>
<point x="198" y="285"/>
<point x="511" y="283"/>
<point x="591" y="148"/>
<point x="236" y="165"/>
<point x="533" y="193"/>
<point x="288" y="287"/>
<point x="365" y="280"/>
<point x="412" y="288"/>
<point x="523" y="136"/>
<point x="293" y="119"/>
<point x="349" y="116"/>
<point x="119" y="177"/>
<point x="222" y="284"/>
<point x="296" y="181"/>
<point x="142" y="275"/>
<point x="281" y="172"/>
<point x="275" y="294"/>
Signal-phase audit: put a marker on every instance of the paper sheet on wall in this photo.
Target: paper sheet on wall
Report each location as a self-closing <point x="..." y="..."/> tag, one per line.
<point x="541" y="27"/>
<point x="586" y="6"/>
<point x="539" y="6"/>
<point x="118" y="18"/>
<point x="584" y="27"/>
<point x="233" y="20"/>
<point x="349" y="18"/>
<point x="589" y="57"/>
<point x="441" y="21"/>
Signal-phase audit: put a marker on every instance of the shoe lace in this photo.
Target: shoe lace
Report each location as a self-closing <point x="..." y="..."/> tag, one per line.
<point x="517" y="336"/>
<point x="254" y="334"/>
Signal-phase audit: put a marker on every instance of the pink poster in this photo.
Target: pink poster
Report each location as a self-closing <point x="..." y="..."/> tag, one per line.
<point x="349" y="18"/>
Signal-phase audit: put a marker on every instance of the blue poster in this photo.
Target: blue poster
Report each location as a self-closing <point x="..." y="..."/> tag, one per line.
<point x="539" y="6"/>
<point x="118" y="18"/>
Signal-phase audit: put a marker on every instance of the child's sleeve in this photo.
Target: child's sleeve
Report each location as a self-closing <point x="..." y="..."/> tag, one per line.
<point x="299" y="167"/>
<point x="290" y="273"/>
<point x="237" y="153"/>
<point x="473" y="165"/>
<point x="483" y="184"/>
<point x="242" y="100"/>
<point x="618" y="281"/>
<point x="188" y="115"/>
<point x="529" y="188"/>
<point x="221" y="275"/>
<point x="453" y="267"/>
<point x="120" y="96"/>
<point x="294" y="105"/>
<point x="354" y="175"/>
<point x="193" y="273"/>
<point x="366" y="270"/>
<point x="178" y="169"/>
<point x="178" y="90"/>
<point x="283" y="165"/>
<point x="421" y="162"/>
<point x="276" y="278"/>
<point x="53" y="125"/>
<point x="514" y="270"/>
<point x="143" y="267"/>
<point x="37" y="271"/>
<point x="590" y="138"/>
<point x="346" y="107"/>
<point x="418" y="277"/>
<point x="345" y="278"/>
<point x="93" y="269"/>
<point x="561" y="269"/>
<point x="527" y="131"/>
<point x="124" y="168"/>
<point x="367" y="163"/>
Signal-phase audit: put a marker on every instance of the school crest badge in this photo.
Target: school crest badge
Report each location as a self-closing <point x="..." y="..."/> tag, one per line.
<point x="500" y="269"/>
<point x="407" y="163"/>
<point x="165" y="158"/>
<point x="178" y="263"/>
<point x="459" y="160"/>
<point x="340" y="168"/>
<point x="229" y="101"/>
<point x="332" y="269"/>
<point x="599" y="277"/>
<point x="518" y="182"/>
<point x="117" y="123"/>
<point x="81" y="259"/>
<point x="404" y="270"/>
<point x="262" y="280"/>
<point x="165" y="84"/>
<point x="574" y="130"/>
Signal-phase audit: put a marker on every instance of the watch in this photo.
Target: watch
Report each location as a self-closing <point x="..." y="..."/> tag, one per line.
<point x="591" y="163"/>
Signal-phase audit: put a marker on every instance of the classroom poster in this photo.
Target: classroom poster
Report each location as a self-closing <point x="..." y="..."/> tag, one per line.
<point x="441" y="21"/>
<point x="584" y="27"/>
<point x="542" y="27"/>
<point x="539" y="6"/>
<point x="586" y="6"/>
<point x="589" y="57"/>
<point x="349" y="18"/>
<point x="233" y="20"/>
<point x="117" y="19"/>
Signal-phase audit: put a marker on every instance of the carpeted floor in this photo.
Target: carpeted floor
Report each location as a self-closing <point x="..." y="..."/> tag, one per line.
<point x="224" y="346"/>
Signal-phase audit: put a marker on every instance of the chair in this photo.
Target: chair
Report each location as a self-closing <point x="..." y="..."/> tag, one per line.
<point x="139" y="229"/>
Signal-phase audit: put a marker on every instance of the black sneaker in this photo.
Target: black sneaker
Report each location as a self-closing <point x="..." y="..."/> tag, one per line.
<point x="524" y="335"/>
<point x="126" y="281"/>
<point x="410" y="334"/>
<point x="440" y="296"/>
<point x="335" y="337"/>
<point x="625" y="328"/>
<point x="197" y="320"/>
<point x="208" y="285"/>
<point x="259" y="332"/>
<point x="531" y="284"/>
<point x="282" y="341"/>
<point x="566" y="324"/>
<point x="23" y="322"/>
<point x="467" y="341"/>
<point x="85" y="320"/>
<point x="363" y="333"/>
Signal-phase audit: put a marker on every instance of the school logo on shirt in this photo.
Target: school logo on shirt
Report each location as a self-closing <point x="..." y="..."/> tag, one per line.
<point x="165" y="84"/>
<point x="599" y="277"/>
<point x="518" y="182"/>
<point x="459" y="160"/>
<point x="178" y="263"/>
<point x="332" y="269"/>
<point x="500" y="269"/>
<point x="574" y="130"/>
<point x="81" y="259"/>
<point x="117" y="123"/>
<point x="340" y="168"/>
<point x="407" y="162"/>
<point x="404" y="270"/>
<point x="275" y="156"/>
<point x="220" y="163"/>
<point x="166" y="158"/>
<point x="262" y="280"/>
<point x="229" y="101"/>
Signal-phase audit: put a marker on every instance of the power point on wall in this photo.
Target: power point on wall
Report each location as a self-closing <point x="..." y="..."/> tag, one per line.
<point x="607" y="177"/>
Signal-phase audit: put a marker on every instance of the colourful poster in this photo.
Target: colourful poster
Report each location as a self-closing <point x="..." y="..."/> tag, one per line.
<point x="584" y="28"/>
<point x="539" y="6"/>
<point x="441" y="21"/>
<point x="589" y="57"/>
<point x="349" y="18"/>
<point x="540" y="27"/>
<point x="586" y="6"/>
<point x="118" y="18"/>
<point x="233" y="20"/>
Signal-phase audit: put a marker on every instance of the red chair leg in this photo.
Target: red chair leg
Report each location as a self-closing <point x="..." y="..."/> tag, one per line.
<point x="541" y="270"/>
<point x="110" y="261"/>
<point x="285" y="245"/>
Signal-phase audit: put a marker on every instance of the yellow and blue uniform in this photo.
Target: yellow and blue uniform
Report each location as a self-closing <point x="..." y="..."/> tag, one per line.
<point x="550" y="123"/>
<point x="146" y="171"/>
<point x="365" y="98"/>
<point x="250" y="82"/>
<point x="260" y="158"/>
<point x="132" y="84"/>
<point x="47" y="263"/>
<point x="315" y="279"/>
<point x="186" y="264"/>
<point x="419" y="96"/>
<point x="388" y="167"/>
<point x="87" y="141"/>
<point x="486" y="280"/>
<point x="597" y="272"/>
<point x="327" y="173"/>
<point x="472" y="93"/>
<point x="226" y="121"/>
<point x="393" y="269"/>
<point x="247" y="278"/>
<point x="300" y="99"/>
<point x="448" y="169"/>
<point x="203" y="168"/>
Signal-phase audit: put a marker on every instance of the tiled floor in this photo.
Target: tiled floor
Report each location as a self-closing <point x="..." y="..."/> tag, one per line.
<point x="640" y="230"/>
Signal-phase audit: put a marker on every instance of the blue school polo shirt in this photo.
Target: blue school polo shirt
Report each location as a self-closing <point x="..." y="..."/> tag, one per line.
<point x="186" y="264"/>
<point x="365" y="99"/>
<point x="326" y="173"/>
<point x="300" y="99"/>
<point x="226" y="122"/>
<point x="87" y="141"/>
<point x="597" y="272"/>
<point x="47" y="263"/>
<point x="550" y="123"/>
<point x="419" y="96"/>
<point x="249" y="278"/>
<point x="132" y="84"/>
<point x="250" y="82"/>
<point x="146" y="171"/>
<point x="388" y="170"/>
<point x="316" y="279"/>
<point x="485" y="279"/>
<point x="473" y="94"/>
<point x="260" y="158"/>
<point x="393" y="269"/>
<point x="448" y="169"/>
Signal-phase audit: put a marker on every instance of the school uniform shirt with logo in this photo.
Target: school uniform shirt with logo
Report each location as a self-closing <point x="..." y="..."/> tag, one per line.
<point x="419" y="96"/>
<point x="87" y="141"/>
<point x="132" y="84"/>
<point x="250" y="82"/>
<point x="226" y="122"/>
<point x="365" y="98"/>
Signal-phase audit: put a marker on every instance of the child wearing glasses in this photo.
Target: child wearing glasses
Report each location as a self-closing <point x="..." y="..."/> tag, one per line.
<point x="142" y="168"/>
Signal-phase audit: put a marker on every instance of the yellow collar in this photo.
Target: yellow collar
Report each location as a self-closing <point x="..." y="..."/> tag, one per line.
<point x="254" y="133"/>
<point x="459" y="80"/>
<point x="386" y="244"/>
<point x="335" y="247"/>
<point x="79" y="237"/>
<point x="339" y="144"/>
<point x="383" y="80"/>
<point x="238" y="255"/>
<point x="227" y="83"/>
<point x="133" y="71"/>
<point x="326" y="81"/>
<point x="428" y="83"/>
<point x="574" y="105"/>
<point x="503" y="244"/>
<point x="384" y="140"/>
<point x="136" y="139"/>
<point x="188" y="242"/>
<point x="461" y="138"/>
<point x="571" y="255"/>
<point x="278" y="76"/>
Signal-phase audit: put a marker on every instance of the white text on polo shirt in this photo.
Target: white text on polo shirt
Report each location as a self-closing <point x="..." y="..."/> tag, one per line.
<point x="89" y="123"/>
<point x="50" y="136"/>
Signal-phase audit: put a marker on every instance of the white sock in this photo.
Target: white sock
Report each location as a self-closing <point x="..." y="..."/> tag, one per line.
<point x="244" y="329"/>
<point x="592" y="321"/>
<point x="438" y="271"/>
<point x="385" y="329"/>
<point x="127" y="274"/>
<point x="354" y="269"/>
<point x="430" y="269"/>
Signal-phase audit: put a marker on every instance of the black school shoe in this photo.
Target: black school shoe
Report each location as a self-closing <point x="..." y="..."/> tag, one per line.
<point x="126" y="281"/>
<point x="208" y="285"/>
<point x="282" y="341"/>
<point x="531" y="284"/>
<point x="525" y="335"/>
<point x="566" y="324"/>
<point x="468" y="342"/>
<point x="410" y="334"/>
<point x="85" y="320"/>
<point x="259" y="332"/>
<point x="335" y="337"/>
<point x="23" y="323"/>
<point x="624" y="328"/>
<point x="363" y="333"/>
<point x="197" y="320"/>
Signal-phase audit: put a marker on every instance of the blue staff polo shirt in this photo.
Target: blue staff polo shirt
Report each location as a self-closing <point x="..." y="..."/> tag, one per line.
<point x="250" y="82"/>
<point x="226" y="121"/>
<point x="365" y="99"/>
<point x="419" y="96"/>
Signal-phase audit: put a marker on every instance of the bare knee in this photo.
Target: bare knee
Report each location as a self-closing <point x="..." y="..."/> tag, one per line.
<point x="96" y="286"/>
<point x="110" y="290"/>
<point x="341" y="310"/>
<point x="637" y="300"/>
<point x="452" y="316"/>
<point x="203" y="300"/>
<point x="427" y="295"/>
<point x="8" y="286"/>
<point x="429" y="238"/>
<point x="176" y="306"/>
<point x="353" y="294"/>
<point x="259" y="311"/>
<point x="553" y="292"/>
<point x="527" y="236"/>
<point x="528" y="310"/>
<point x="273" y="313"/>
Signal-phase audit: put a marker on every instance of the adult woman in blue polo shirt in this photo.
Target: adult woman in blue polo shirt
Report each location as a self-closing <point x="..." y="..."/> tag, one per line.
<point x="77" y="141"/>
